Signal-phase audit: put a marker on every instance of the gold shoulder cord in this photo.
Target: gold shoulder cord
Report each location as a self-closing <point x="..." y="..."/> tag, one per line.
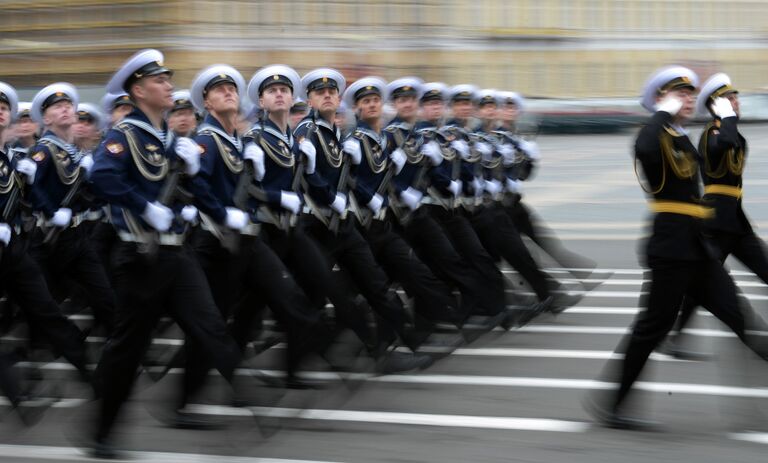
<point x="411" y="153"/>
<point x="12" y="180"/>
<point x="333" y="161"/>
<point x="376" y="168"/>
<point x="284" y="160"/>
<point x="663" y="178"/>
<point x="732" y="162"/>
<point x="233" y="163"/>
<point x="682" y="164"/>
<point x="139" y="159"/>
<point x="663" y="182"/>
<point x="67" y="178"/>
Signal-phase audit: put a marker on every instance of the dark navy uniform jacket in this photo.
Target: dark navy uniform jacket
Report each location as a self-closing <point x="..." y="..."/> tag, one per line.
<point x="468" y="169"/>
<point x="724" y="151"/>
<point x="398" y="133"/>
<point x="221" y="163"/>
<point x="9" y="181"/>
<point x="281" y="157"/>
<point x="439" y="176"/>
<point x="58" y="165"/>
<point x="131" y="166"/>
<point x="373" y="165"/>
<point x="321" y="185"/>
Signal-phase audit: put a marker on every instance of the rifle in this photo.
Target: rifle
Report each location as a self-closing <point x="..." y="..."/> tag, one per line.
<point x="288" y="219"/>
<point x="343" y="180"/>
<point x="53" y="233"/>
<point x="384" y="186"/>
<point x="403" y="213"/>
<point x="150" y="240"/>
<point x="342" y="185"/>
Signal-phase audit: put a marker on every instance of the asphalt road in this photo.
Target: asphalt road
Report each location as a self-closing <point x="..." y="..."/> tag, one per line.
<point x="508" y="397"/>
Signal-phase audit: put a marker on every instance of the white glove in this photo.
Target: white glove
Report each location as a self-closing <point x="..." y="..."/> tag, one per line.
<point x="158" y="216"/>
<point x="256" y="155"/>
<point x="461" y="147"/>
<point x="375" y="203"/>
<point x="411" y="197"/>
<point x="513" y="186"/>
<point x="339" y="204"/>
<point x="398" y="159"/>
<point x="530" y="149"/>
<point x="507" y="152"/>
<point x="455" y="187"/>
<point x="61" y="217"/>
<point x="484" y="149"/>
<point x="306" y="147"/>
<point x="493" y="187"/>
<point x="433" y="152"/>
<point x="189" y="214"/>
<point x="669" y="104"/>
<point x="290" y="201"/>
<point x="723" y="108"/>
<point x="86" y="162"/>
<point x="27" y="167"/>
<point x="189" y="152"/>
<point x="236" y="219"/>
<point x="478" y="184"/>
<point x="5" y="233"/>
<point x="352" y="148"/>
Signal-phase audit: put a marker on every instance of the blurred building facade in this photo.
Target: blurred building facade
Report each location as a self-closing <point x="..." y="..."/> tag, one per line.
<point x="542" y="48"/>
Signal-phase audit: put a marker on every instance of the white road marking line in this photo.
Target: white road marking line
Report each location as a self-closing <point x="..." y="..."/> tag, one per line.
<point x="636" y="294"/>
<point x="558" y="329"/>
<point x="634" y="282"/>
<point x="619" y="271"/>
<point x="582" y="384"/>
<point x="754" y="437"/>
<point x="500" y="381"/>
<point x="552" y="353"/>
<point x="75" y="454"/>
<point x="418" y="419"/>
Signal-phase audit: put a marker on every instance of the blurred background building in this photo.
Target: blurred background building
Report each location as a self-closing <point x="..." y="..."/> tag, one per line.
<point x="541" y="48"/>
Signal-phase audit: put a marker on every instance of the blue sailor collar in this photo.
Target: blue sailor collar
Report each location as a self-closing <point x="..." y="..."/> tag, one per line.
<point x="399" y="123"/>
<point x="366" y="129"/>
<point x="138" y="119"/>
<point x="212" y="124"/>
<point x="271" y="128"/>
<point x="320" y="122"/>
<point x="51" y="137"/>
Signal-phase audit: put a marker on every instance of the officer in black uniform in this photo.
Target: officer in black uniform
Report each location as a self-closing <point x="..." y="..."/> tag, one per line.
<point x="135" y="170"/>
<point x="59" y="196"/>
<point x="683" y="262"/>
<point x="326" y="221"/>
<point x="724" y="151"/>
